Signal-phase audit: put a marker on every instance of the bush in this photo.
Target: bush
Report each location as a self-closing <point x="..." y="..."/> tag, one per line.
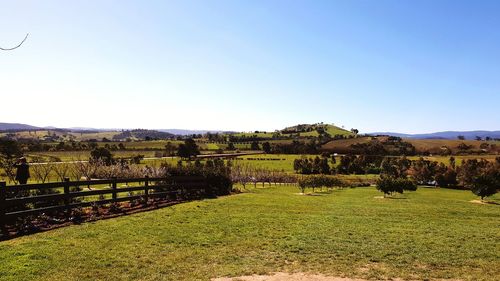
<point x="216" y="173"/>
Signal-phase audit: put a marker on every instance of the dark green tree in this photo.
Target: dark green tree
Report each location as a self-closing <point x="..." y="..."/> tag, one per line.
<point x="254" y="146"/>
<point x="266" y="146"/>
<point x="188" y="149"/>
<point x="101" y="154"/>
<point x="10" y="151"/>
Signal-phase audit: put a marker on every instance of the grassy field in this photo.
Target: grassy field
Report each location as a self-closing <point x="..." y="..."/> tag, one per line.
<point x="433" y="233"/>
<point x="271" y="161"/>
<point x="65" y="135"/>
<point x="85" y="155"/>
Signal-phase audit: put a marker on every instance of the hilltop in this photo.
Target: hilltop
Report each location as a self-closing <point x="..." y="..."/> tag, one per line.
<point x="316" y="130"/>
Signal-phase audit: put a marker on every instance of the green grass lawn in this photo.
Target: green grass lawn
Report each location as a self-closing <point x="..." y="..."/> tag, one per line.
<point x="433" y="233"/>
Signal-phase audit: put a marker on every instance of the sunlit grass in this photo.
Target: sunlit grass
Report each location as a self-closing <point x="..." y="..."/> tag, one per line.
<point x="432" y="233"/>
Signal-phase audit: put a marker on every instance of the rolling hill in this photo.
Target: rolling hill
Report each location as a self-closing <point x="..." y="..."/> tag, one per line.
<point x="17" y="127"/>
<point x="450" y="135"/>
<point x="315" y="129"/>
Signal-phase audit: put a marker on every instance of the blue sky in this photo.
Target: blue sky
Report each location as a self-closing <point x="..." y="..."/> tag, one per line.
<point x="406" y="66"/>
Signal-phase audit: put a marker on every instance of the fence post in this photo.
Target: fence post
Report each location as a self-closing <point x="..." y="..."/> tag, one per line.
<point x="3" y="186"/>
<point x="113" y="187"/>
<point x="146" y="189"/>
<point x="66" y="196"/>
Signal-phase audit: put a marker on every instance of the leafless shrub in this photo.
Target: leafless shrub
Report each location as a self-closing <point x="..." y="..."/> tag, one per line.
<point x="62" y="170"/>
<point x="41" y="171"/>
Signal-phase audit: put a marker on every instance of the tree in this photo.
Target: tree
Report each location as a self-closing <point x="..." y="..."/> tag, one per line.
<point x="10" y="150"/>
<point x="389" y="185"/>
<point x="316" y="165"/>
<point x="482" y="177"/>
<point x="423" y="171"/>
<point x="101" y="154"/>
<point x="266" y="146"/>
<point x="470" y="169"/>
<point x="230" y="146"/>
<point x="463" y="146"/>
<point x="395" y="167"/>
<point x="324" y="167"/>
<point x="452" y="162"/>
<point x="254" y="146"/>
<point x="188" y="149"/>
<point x="487" y="183"/>
<point x="169" y="149"/>
<point x="461" y="137"/>
<point x="41" y="172"/>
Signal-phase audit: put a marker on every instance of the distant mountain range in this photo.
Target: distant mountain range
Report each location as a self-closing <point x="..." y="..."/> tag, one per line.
<point x="23" y="127"/>
<point x="16" y="126"/>
<point x="190" y="132"/>
<point x="469" y="135"/>
<point x="438" y="135"/>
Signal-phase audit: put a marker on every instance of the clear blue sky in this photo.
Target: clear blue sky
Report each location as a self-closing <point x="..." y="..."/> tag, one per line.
<point x="406" y="66"/>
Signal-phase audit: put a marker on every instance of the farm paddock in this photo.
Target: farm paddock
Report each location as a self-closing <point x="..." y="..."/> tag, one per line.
<point x="429" y="234"/>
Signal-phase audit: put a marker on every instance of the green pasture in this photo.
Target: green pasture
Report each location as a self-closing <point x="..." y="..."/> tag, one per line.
<point x="211" y="146"/>
<point x="429" y="234"/>
<point x="252" y="134"/>
<point x="85" y="155"/>
<point x="270" y="161"/>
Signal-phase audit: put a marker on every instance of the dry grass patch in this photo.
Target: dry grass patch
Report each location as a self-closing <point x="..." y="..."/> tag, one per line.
<point x="281" y="276"/>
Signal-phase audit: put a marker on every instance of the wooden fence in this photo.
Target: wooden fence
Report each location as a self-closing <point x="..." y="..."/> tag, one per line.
<point x="17" y="200"/>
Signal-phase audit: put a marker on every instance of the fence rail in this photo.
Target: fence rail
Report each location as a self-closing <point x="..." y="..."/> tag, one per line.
<point x="18" y="200"/>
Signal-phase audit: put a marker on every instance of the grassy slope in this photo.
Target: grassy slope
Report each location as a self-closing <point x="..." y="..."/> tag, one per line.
<point x="334" y="130"/>
<point x="432" y="234"/>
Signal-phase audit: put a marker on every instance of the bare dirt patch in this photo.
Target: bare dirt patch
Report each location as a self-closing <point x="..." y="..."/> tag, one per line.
<point x="309" y="194"/>
<point x="475" y="201"/>
<point x="281" y="276"/>
<point x="300" y="276"/>
<point x="389" y="197"/>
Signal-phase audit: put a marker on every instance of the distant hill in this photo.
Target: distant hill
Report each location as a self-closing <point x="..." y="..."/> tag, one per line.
<point x="16" y="127"/>
<point x="183" y="132"/>
<point x="432" y="146"/>
<point x="315" y="129"/>
<point x="141" y="134"/>
<point x="449" y="135"/>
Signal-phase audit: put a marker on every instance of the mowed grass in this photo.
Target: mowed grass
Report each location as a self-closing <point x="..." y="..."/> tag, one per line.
<point x="433" y="233"/>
